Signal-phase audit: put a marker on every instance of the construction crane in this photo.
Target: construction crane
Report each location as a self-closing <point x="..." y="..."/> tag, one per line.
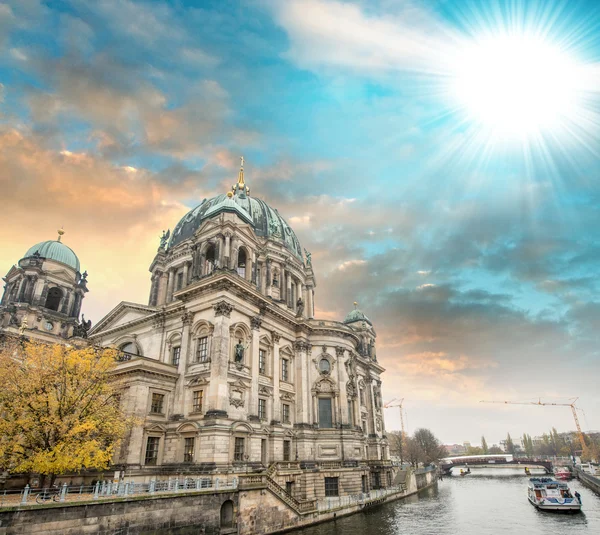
<point x="574" y="409"/>
<point x="397" y="403"/>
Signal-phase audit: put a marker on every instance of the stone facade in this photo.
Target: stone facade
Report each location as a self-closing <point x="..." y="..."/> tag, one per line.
<point x="227" y="369"/>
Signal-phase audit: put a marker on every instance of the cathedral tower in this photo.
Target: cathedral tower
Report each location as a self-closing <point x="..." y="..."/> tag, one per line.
<point x="43" y="293"/>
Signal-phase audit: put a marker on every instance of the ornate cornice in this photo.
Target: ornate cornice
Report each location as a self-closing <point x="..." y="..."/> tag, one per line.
<point x="302" y="346"/>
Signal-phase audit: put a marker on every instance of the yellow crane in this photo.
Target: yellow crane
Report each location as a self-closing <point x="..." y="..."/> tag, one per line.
<point x="397" y="403"/>
<point x="574" y="409"/>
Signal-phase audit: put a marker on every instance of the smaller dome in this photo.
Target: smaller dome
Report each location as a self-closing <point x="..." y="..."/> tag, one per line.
<point x="357" y="315"/>
<point x="57" y="251"/>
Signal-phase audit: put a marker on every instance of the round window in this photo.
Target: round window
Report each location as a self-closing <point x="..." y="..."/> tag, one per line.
<point x="324" y="366"/>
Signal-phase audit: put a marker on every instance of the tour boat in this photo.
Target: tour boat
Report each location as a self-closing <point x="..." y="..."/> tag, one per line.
<point x="547" y="494"/>
<point x="562" y="473"/>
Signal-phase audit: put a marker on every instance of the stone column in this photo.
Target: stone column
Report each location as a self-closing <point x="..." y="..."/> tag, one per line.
<point x="342" y="379"/>
<point x="43" y="295"/>
<point x="65" y="302"/>
<point x="76" y="300"/>
<point x="220" y="251"/>
<point x="218" y="391"/>
<point x="263" y="276"/>
<point x="256" y="322"/>
<point x="302" y="382"/>
<point x="170" y="286"/>
<point x="276" y="377"/>
<point x="310" y="306"/>
<point x="283" y="284"/>
<point x="179" y="398"/>
<point x="371" y="405"/>
<point x="288" y="292"/>
<point x="162" y="289"/>
<point x="269" y="275"/>
<point x="254" y="266"/>
<point x="185" y="274"/>
<point x="20" y="290"/>
<point x="249" y="266"/>
<point x="305" y="301"/>
<point x="227" y="255"/>
<point x="195" y="259"/>
<point x="77" y="307"/>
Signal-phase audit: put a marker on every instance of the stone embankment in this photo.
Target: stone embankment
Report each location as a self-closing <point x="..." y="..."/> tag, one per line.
<point x="258" y="505"/>
<point x="589" y="480"/>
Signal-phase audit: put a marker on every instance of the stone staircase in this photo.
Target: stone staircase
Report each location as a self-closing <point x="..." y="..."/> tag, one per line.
<point x="266" y="481"/>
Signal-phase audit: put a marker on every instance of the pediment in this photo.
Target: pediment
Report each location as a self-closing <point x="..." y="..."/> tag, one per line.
<point x="61" y="274"/>
<point x="123" y="314"/>
<point x="14" y="270"/>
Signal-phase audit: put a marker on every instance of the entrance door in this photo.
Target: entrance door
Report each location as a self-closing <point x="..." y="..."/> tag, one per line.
<point x="227" y="514"/>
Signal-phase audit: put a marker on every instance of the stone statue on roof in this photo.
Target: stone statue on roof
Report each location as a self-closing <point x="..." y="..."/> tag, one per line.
<point x="308" y="258"/>
<point x="165" y="238"/>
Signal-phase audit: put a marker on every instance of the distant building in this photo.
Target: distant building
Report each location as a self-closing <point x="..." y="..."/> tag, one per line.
<point x="455" y="449"/>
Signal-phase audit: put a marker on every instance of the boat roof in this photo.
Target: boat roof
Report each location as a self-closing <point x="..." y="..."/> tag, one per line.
<point x="545" y="481"/>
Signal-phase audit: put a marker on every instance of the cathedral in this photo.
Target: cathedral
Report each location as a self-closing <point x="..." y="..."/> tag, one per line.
<point x="226" y="367"/>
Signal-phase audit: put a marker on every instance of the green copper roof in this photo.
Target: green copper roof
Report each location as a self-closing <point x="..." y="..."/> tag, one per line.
<point x="57" y="251"/>
<point x="357" y="315"/>
<point x="265" y="220"/>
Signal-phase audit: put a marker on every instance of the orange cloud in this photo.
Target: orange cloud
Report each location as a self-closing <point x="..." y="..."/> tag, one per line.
<point x="112" y="215"/>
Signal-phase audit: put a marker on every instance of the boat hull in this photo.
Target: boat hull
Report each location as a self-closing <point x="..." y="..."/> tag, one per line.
<point x="569" y="508"/>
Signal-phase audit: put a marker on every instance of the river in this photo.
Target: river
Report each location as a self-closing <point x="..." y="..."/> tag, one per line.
<point x="489" y="501"/>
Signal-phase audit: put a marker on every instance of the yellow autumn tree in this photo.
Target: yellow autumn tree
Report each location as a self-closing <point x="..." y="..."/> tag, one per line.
<point x="59" y="408"/>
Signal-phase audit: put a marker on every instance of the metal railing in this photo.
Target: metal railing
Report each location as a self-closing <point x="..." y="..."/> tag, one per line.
<point x="364" y="498"/>
<point x="107" y="490"/>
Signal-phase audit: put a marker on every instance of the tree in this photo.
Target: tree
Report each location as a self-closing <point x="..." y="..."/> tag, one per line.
<point x="397" y="447"/>
<point x="428" y="449"/>
<point x="60" y="409"/>
<point x="495" y="450"/>
<point x="474" y="450"/>
<point x="510" y="447"/>
<point x="414" y="454"/>
<point x="484" y="446"/>
<point x="528" y="445"/>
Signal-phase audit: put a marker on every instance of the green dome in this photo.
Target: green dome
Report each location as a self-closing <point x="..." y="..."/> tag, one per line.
<point x="357" y="315"/>
<point x="55" y="250"/>
<point x="265" y="220"/>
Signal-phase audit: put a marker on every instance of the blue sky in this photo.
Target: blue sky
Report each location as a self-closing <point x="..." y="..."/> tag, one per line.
<point x="471" y="244"/>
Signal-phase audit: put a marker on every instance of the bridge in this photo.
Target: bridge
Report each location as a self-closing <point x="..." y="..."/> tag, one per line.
<point x="491" y="461"/>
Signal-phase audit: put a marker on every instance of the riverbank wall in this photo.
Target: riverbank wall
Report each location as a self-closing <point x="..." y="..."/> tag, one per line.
<point x="590" y="481"/>
<point x="123" y="516"/>
<point x="257" y="506"/>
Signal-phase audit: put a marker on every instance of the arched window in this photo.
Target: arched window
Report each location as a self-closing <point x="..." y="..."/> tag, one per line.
<point x="53" y="299"/>
<point x="210" y="260"/>
<point x="130" y="348"/>
<point x="241" y="263"/>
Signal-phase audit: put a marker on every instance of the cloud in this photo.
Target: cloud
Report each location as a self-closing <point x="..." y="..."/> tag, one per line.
<point x="112" y="215"/>
<point x="326" y="33"/>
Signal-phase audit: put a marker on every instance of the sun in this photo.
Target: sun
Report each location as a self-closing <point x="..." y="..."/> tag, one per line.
<point x="516" y="85"/>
